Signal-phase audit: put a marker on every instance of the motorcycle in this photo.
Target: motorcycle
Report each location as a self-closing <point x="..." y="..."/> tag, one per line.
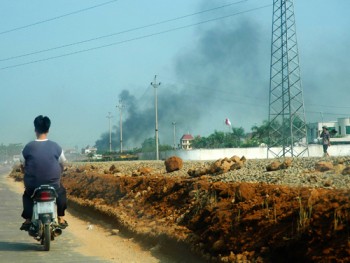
<point x="44" y="226"/>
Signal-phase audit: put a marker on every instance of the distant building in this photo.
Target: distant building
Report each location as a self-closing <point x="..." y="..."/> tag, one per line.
<point x="97" y="157"/>
<point x="16" y="158"/>
<point x="70" y="151"/>
<point x="339" y="130"/>
<point x="89" y="149"/>
<point x="185" y="141"/>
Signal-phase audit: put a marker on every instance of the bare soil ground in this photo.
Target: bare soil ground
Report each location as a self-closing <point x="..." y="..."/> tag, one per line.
<point x="222" y="221"/>
<point x="98" y="239"/>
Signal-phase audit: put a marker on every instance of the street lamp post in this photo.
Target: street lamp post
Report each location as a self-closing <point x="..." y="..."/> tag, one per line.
<point x="120" y="106"/>
<point x="174" y="125"/>
<point x="110" y="132"/>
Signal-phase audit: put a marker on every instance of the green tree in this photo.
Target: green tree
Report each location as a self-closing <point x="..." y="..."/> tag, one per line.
<point x="199" y="142"/>
<point x="220" y="139"/>
<point x="236" y="138"/>
<point x="260" y="134"/>
<point x="216" y="140"/>
<point x="149" y="145"/>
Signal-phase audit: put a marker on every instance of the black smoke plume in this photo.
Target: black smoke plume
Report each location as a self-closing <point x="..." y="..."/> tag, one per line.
<point x="224" y="74"/>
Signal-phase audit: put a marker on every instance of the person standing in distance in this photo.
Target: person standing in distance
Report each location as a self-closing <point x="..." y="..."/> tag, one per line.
<point x="326" y="140"/>
<point x="42" y="161"/>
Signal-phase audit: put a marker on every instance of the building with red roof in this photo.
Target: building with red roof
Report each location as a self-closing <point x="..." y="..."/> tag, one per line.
<point x="185" y="141"/>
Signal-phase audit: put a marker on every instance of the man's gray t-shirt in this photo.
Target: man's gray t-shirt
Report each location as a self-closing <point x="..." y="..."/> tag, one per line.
<point x="42" y="160"/>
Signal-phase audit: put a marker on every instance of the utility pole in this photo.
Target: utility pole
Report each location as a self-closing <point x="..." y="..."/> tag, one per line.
<point x="120" y="106"/>
<point x="110" y="132"/>
<point x="155" y="86"/>
<point x="174" y="124"/>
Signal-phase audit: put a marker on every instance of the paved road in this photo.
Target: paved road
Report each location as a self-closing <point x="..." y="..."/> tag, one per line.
<point x="18" y="246"/>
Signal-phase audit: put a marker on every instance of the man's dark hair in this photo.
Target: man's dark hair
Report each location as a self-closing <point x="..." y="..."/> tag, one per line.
<point x="42" y="124"/>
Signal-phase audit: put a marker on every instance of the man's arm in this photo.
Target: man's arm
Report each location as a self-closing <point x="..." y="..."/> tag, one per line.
<point x="22" y="162"/>
<point x="62" y="159"/>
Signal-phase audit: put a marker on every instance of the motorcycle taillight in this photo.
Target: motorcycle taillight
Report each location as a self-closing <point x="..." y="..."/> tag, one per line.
<point x="45" y="196"/>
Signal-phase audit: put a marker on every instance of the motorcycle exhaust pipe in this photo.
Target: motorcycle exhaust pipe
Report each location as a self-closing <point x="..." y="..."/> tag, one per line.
<point x="57" y="232"/>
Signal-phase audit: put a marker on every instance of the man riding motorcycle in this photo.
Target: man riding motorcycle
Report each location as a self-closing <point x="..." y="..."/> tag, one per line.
<point x="42" y="162"/>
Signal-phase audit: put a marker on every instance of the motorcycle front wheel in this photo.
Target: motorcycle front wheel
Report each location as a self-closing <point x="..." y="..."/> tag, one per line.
<point x="47" y="237"/>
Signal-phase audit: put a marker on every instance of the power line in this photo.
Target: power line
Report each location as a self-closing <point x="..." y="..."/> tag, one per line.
<point x="328" y="113"/>
<point x="57" y="17"/>
<point x="136" y="38"/>
<point x="201" y="88"/>
<point x="257" y="105"/>
<point x="328" y="106"/>
<point x="121" y="32"/>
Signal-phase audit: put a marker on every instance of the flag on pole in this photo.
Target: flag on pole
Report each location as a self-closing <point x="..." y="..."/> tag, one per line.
<point x="227" y="122"/>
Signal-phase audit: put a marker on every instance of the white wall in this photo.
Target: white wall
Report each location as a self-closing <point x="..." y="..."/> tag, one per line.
<point x="315" y="150"/>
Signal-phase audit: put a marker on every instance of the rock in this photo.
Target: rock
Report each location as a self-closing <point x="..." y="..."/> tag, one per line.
<point x="314" y="197"/>
<point x="218" y="245"/>
<point x="191" y="172"/>
<point x="144" y="170"/>
<point x="274" y="166"/>
<point x="327" y="183"/>
<point x="237" y="165"/>
<point x="323" y="166"/>
<point x="235" y="158"/>
<point x="277" y="165"/>
<point x="79" y="170"/>
<point x="113" y="169"/>
<point x="115" y="231"/>
<point x="340" y="161"/>
<point x="119" y="175"/>
<point x="201" y="171"/>
<point x="339" y="168"/>
<point x="221" y="166"/>
<point x="232" y="257"/>
<point x="215" y="166"/>
<point x="286" y="163"/>
<point x="244" y="192"/>
<point x="173" y="163"/>
<point x="243" y="159"/>
<point x="224" y="166"/>
<point x="135" y="173"/>
<point x="198" y="172"/>
<point x="346" y="171"/>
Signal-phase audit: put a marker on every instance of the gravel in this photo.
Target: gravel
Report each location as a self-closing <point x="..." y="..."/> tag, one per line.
<point x="302" y="172"/>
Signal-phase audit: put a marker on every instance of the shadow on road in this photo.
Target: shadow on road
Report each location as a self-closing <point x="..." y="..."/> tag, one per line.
<point x="18" y="246"/>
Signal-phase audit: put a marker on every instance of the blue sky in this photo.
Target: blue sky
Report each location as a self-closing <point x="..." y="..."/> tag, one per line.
<point x="208" y="72"/>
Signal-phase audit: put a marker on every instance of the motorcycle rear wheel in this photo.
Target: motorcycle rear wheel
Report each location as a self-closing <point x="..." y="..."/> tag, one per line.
<point x="47" y="237"/>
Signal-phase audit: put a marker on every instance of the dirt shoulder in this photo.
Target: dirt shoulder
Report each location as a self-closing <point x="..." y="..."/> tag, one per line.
<point x="104" y="242"/>
<point x="225" y="212"/>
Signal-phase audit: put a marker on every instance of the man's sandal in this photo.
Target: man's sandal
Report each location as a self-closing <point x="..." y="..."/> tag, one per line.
<point x="25" y="226"/>
<point x="63" y="224"/>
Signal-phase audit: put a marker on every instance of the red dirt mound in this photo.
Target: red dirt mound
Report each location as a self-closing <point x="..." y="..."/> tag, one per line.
<point x="223" y="222"/>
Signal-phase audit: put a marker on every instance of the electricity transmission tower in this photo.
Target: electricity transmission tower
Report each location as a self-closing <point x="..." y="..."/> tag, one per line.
<point x="287" y="126"/>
